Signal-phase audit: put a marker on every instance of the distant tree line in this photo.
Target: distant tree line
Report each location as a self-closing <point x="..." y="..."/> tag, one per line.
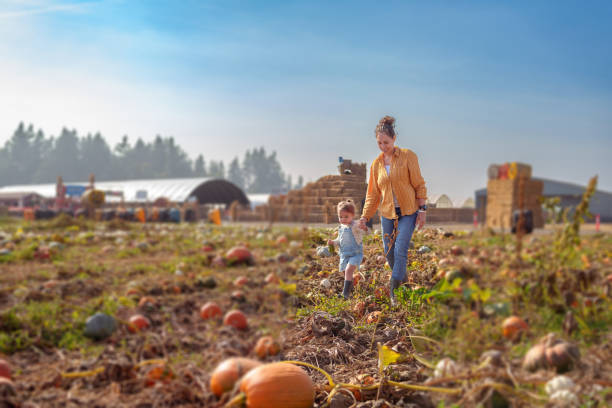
<point x="29" y="157"/>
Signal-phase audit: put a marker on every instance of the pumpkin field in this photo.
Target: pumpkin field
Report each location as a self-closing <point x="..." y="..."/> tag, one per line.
<point x="115" y="314"/>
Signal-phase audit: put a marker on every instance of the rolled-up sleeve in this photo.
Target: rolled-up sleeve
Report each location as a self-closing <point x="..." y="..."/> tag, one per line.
<point x="372" y="196"/>
<point x="417" y="181"/>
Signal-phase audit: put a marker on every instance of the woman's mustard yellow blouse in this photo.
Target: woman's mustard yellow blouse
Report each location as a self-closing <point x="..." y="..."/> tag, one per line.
<point x="404" y="180"/>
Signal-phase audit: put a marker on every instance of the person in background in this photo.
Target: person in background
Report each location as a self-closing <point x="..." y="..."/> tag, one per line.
<point x="350" y="242"/>
<point x="397" y="188"/>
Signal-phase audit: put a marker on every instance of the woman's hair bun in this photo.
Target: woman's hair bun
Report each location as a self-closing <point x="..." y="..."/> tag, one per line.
<point x="386" y="126"/>
<point x="387" y="120"/>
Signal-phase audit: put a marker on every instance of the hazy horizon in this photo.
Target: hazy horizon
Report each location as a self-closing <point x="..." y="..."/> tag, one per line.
<point x="470" y="84"/>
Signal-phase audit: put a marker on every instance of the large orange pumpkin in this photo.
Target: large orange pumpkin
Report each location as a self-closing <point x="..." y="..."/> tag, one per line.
<point x="278" y="385"/>
<point x="512" y="326"/>
<point x="210" y="310"/>
<point x="237" y="319"/>
<point x="228" y="372"/>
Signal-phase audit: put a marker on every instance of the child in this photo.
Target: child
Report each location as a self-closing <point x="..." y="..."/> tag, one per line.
<point x="350" y="236"/>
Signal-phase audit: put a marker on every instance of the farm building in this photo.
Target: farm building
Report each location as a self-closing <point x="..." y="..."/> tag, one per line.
<point x="570" y="195"/>
<point x="201" y="190"/>
<point x="439" y="201"/>
<point x="468" y="203"/>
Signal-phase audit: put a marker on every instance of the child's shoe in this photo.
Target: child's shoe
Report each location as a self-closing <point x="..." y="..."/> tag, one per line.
<point x="348" y="288"/>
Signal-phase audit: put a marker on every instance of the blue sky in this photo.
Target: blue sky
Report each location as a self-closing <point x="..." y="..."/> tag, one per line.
<point x="470" y="83"/>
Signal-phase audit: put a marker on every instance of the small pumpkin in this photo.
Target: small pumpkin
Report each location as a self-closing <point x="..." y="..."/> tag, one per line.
<point x="241" y="281"/>
<point x="100" y="326"/>
<point x="5" y="369"/>
<point x="512" y="326"/>
<point x="266" y="346"/>
<point x="210" y="310"/>
<point x="146" y="302"/>
<point x="373" y="317"/>
<point x="278" y="385"/>
<point x="551" y="352"/>
<point x="238" y="255"/>
<point x="456" y="250"/>
<point x="159" y="373"/>
<point x="228" y="372"/>
<point x="281" y="240"/>
<point x="137" y="323"/>
<point x="237" y="319"/>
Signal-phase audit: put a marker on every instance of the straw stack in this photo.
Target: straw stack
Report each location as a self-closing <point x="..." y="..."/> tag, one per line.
<point x="503" y="199"/>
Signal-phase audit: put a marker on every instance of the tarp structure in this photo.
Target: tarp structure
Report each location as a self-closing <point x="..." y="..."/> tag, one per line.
<point x="204" y="190"/>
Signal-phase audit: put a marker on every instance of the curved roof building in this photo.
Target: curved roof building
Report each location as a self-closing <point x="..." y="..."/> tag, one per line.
<point x="204" y="190"/>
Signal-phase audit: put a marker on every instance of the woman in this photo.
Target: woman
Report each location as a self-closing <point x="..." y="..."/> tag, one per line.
<point x="397" y="187"/>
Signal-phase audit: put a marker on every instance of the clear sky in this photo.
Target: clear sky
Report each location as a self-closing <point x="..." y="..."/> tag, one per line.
<point x="470" y="83"/>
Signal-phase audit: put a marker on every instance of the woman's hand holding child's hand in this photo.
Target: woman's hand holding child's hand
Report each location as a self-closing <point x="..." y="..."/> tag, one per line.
<point x="362" y="224"/>
<point x="330" y="242"/>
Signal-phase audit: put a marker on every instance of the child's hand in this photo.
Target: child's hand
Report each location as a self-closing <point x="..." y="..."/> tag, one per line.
<point x="329" y="242"/>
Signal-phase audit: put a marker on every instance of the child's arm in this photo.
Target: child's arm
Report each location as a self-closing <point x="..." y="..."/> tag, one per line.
<point x="336" y="241"/>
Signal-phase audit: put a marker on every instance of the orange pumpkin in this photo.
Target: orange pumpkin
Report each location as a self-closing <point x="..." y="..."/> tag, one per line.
<point x="278" y="385"/>
<point x="373" y="317"/>
<point x="228" y="372"/>
<point x="512" y="326"/>
<point x="266" y="346"/>
<point x="132" y="292"/>
<point x="210" y="310"/>
<point x="281" y="240"/>
<point x="146" y="301"/>
<point x="241" y="281"/>
<point x="237" y="319"/>
<point x="239" y="254"/>
<point x="159" y="373"/>
<point x="137" y="323"/>
<point x="5" y="369"/>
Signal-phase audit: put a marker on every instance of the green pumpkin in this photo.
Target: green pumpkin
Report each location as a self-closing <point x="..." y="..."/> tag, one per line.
<point x="100" y="326"/>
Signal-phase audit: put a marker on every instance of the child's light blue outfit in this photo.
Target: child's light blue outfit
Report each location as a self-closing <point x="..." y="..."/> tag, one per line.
<point x="350" y="243"/>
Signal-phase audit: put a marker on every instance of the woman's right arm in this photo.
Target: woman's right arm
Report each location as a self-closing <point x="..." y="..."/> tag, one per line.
<point x="372" y="197"/>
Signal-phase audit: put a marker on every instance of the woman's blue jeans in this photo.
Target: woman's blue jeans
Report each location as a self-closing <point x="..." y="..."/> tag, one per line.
<point x="398" y="255"/>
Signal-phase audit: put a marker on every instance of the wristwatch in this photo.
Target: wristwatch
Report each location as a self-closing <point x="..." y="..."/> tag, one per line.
<point x="423" y="207"/>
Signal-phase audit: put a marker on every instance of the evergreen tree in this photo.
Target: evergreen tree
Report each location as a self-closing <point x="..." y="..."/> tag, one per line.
<point x="199" y="167"/>
<point x="216" y="169"/>
<point x="234" y="174"/>
<point x="300" y="183"/>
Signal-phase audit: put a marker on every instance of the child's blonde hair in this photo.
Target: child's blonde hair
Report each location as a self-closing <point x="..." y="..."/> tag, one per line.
<point x="347" y="205"/>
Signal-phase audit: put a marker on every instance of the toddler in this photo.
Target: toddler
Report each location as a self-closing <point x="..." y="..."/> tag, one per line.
<point x="350" y="236"/>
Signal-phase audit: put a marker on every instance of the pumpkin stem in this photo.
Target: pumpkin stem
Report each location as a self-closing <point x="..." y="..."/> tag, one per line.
<point x="423" y="361"/>
<point x="150" y="362"/>
<point x="426" y="339"/>
<point x="237" y="400"/>
<point x="332" y="384"/>
<point x="425" y="388"/>
<point x="81" y="374"/>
